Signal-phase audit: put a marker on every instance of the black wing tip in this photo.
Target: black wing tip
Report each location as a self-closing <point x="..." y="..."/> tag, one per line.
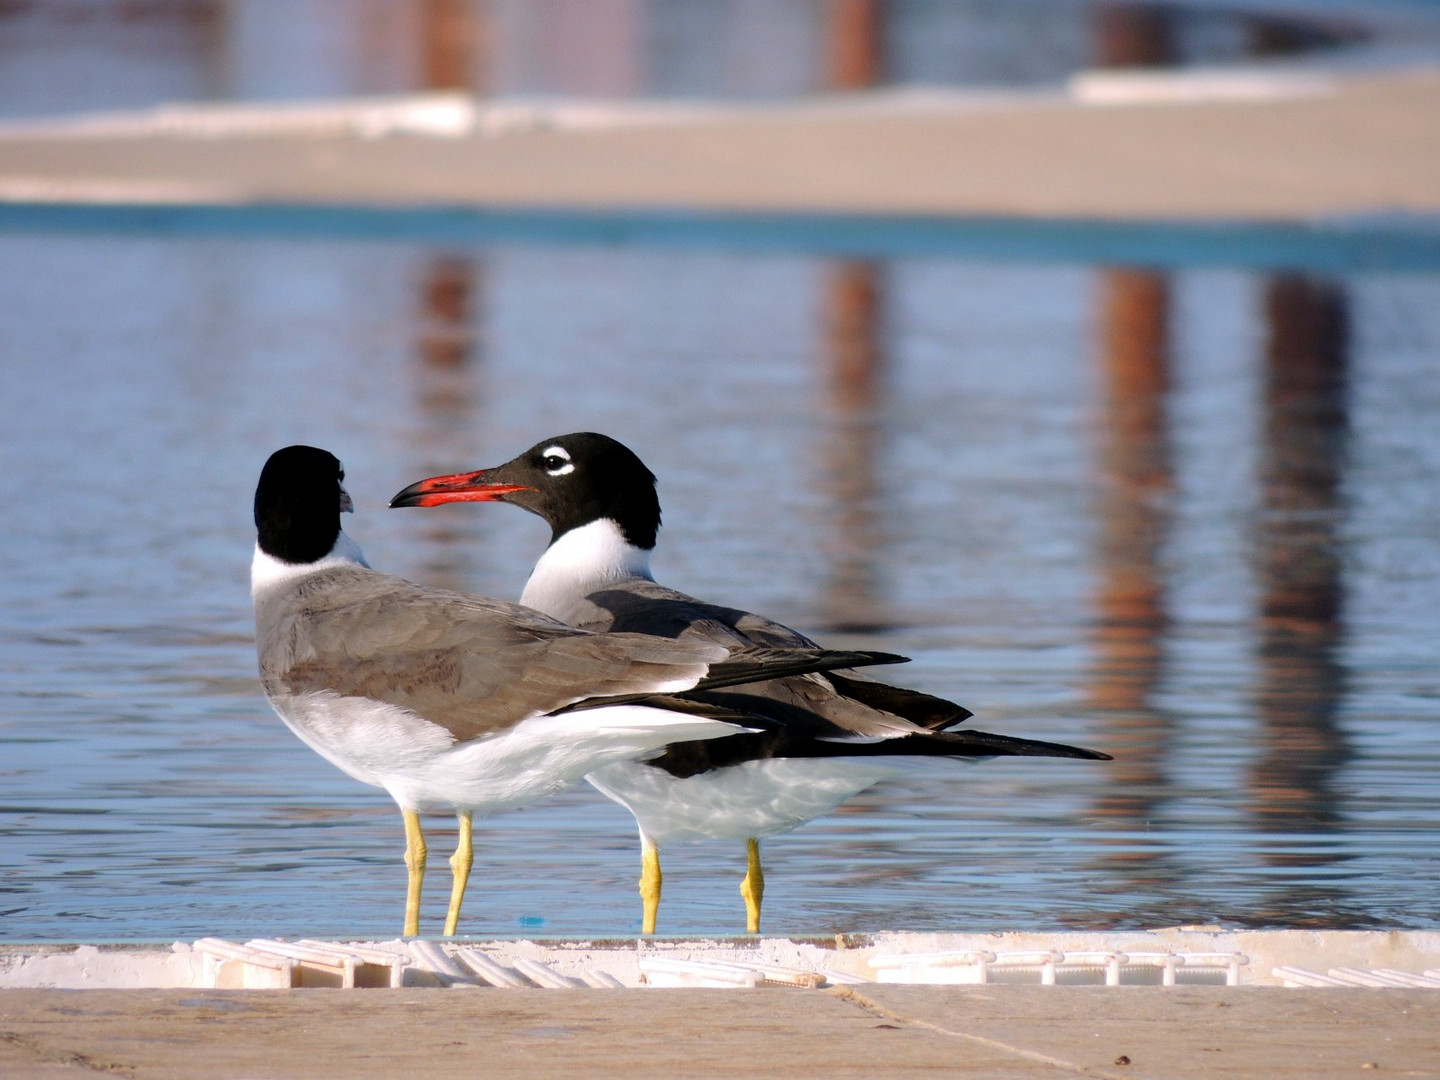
<point x="1085" y="754"/>
<point x="1037" y="748"/>
<point x="970" y="742"/>
<point x="872" y="658"/>
<point x="763" y="665"/>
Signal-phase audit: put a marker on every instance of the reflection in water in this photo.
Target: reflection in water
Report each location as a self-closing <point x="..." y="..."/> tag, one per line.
<point x="855" y="354"/>
<point x="1130" y="620"/>
<point x="1299" y="559"/>
<point x="114" y="735"/>
<point x="446" y="388"/>
<point x="448" y="294"/>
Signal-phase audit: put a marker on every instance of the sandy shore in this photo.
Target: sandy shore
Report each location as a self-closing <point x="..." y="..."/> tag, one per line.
<point x="1240" y="146"/>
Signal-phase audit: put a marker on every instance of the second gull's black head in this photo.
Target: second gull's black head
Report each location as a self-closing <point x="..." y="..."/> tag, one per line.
<point x="569" y="480"/>
<point x="298" y="503"/>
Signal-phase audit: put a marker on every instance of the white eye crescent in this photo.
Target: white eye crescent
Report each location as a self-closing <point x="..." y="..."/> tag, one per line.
<point x="556" y="460"/>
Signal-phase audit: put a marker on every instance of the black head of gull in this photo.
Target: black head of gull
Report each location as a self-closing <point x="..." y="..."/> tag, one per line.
<point x="570" y="480"/>
<point x="298" y="503"/>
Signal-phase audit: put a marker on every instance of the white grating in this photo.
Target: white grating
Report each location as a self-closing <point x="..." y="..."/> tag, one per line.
<point x="1051" y="967"/>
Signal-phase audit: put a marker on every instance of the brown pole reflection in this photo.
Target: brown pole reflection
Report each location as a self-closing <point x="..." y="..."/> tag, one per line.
<point x="1136" y="480"/>
<point x="1130" y="616"/>
<point x="854" y="342"/>
<point x="448" y="290"/>
<point x="447" y="373"/>
<point x="1298" y="560"/>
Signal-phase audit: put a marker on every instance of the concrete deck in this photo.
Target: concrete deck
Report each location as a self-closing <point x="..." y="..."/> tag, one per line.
<point x="875" y="1031"/>
<point x="164" y="1023"/>
<point x="1239" y="146"/>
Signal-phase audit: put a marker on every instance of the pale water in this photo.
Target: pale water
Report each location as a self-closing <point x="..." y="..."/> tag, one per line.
<point x="1189" y="516"/>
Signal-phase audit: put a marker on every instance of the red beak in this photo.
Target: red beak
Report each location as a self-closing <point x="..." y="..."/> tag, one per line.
<point x="457" y="487"/>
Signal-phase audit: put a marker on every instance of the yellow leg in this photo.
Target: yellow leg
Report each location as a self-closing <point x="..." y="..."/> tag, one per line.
<point x="753" y="887"/>
<point x="649" y="885"/>
<point x="460" y="864"/>
<point x="415" y="864"/>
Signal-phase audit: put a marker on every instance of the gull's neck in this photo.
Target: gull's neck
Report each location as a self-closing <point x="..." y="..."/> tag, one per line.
<point x="581" y="561"/>
<point x="266" y="571"/>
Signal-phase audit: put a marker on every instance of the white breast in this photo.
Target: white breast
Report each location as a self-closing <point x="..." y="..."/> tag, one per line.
<point x="579" y="563"/>
<point x="423" y="767"/>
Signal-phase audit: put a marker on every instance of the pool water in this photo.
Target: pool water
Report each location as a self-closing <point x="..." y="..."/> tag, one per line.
<point x="1185" y="513"/>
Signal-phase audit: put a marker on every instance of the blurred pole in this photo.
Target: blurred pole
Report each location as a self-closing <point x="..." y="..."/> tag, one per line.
<point x="1299" y="555"/>
<point x="855" y="44"/>
<point x="1134" y="516"/>
<point x="1273" y="35"/>
<point x="451" y="44"/>
<point x="1132" y="35"/>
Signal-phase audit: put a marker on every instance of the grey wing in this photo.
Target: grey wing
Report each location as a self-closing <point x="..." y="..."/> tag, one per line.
<point x="814" y="706"/>
<point x="469" y="664"/>
<point x="645" y="607"/>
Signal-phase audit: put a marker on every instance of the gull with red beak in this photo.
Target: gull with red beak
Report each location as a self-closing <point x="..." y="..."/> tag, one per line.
<point x="445" y="699"/>
<point x="832" y="735"/>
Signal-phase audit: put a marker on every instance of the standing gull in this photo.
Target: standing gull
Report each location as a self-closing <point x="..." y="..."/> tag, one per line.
<point x="832" y="736"/>
<point x="445" y="699"/>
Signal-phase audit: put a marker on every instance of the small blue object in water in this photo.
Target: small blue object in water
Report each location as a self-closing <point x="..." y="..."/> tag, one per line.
<point x="532" y="920"/>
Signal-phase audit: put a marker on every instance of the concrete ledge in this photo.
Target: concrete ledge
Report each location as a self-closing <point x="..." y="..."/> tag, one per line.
<point x="995" y="1032"/>
<point x="1240" y="146"/>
